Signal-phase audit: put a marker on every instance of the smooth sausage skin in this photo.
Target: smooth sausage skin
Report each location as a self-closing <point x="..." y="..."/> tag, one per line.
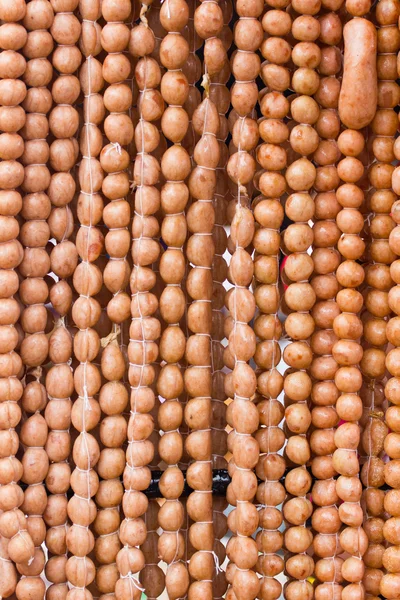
<point x="359" y="92"/>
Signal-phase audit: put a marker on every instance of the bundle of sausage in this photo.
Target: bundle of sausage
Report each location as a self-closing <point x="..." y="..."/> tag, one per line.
<point x="199" y="286"/>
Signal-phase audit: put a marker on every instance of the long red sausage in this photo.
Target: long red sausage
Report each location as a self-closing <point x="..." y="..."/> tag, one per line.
<point x="359" y="92"/>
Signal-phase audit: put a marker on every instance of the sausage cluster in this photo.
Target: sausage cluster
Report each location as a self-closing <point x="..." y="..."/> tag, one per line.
<point x="199" y="300"/>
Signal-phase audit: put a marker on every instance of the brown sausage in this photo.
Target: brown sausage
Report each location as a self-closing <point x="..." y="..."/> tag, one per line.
<point x="358" y="95"/>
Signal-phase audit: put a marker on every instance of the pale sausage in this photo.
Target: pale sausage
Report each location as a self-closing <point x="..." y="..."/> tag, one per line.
<point x="358" y="95"/>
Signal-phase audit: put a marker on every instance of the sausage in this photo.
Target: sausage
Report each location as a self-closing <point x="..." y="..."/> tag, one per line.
<point x="359" y="92"/>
